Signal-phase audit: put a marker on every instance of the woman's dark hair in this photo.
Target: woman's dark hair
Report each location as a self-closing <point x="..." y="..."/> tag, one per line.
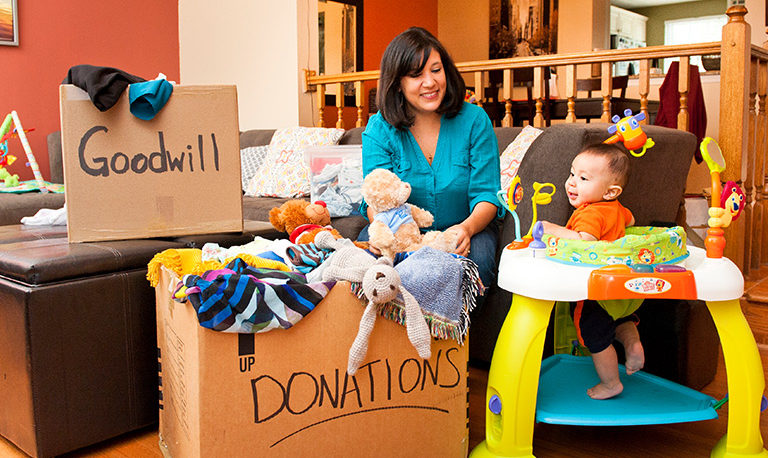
<point x="405" y="55"/>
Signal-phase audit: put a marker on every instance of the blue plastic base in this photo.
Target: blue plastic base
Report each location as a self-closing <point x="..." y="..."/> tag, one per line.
<point x="646" y="399"/>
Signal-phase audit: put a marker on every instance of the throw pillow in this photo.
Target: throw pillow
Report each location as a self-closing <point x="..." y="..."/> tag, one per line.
<point x="513" y="155"/>
<point x="285" y="172"/>
<point x="251" y="160"/>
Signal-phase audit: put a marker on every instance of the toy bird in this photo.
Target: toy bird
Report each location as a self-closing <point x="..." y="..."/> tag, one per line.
<point x="628" y="131"/>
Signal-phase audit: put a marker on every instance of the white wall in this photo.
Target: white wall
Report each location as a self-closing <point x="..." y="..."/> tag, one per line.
<point x="756" y="18"/>
<point x="259" y="45"/>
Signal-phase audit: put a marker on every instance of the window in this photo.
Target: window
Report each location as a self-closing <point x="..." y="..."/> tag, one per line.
<point x="693" y="30"/>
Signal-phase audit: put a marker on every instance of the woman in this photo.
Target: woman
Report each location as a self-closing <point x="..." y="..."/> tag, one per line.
<point x="444" y="147"/>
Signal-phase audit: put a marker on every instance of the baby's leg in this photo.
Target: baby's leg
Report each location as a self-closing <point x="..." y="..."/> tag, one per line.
<point x="626" y="333"/>
<point x="607" y="367"/>
<point x="595" y="328"/>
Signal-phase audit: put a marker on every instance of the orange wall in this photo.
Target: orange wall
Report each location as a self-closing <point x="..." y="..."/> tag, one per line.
<point x="383" y="20"/>
<point x="140" y="37"/>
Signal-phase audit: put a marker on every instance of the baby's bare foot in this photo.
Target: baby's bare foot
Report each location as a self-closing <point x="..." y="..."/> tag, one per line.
<point x="605" y="391"/>
<point x="635" y="356"/>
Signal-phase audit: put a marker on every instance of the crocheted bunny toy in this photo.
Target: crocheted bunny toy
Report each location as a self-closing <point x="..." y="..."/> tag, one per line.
<point x="395" y="225"/>
<point x="381" y="284"/>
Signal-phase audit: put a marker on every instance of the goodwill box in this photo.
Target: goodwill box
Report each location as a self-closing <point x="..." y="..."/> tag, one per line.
<point x="287" y="393"/>
<point x="336" y="177"/>
<point x="177" y="174"/>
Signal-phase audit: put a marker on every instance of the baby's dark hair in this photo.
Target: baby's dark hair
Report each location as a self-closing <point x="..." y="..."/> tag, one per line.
<point x="618" y="160"/>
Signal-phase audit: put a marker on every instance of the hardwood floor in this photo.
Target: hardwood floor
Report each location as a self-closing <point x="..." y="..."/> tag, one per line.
<point x="678" y="440"/>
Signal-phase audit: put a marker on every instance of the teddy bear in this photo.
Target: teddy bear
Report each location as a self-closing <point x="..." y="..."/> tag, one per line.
<point x="303" y="221"/>
<point x="395" y="225"/>
<point x="381" y="284"/>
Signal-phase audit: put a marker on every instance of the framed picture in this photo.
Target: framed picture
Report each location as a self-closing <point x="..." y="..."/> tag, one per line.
<point x="522" y="28"/>
<point x="9" y="23"/>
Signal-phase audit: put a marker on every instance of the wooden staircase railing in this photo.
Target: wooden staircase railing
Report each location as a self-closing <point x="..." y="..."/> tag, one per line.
<point x="743" y="135"/>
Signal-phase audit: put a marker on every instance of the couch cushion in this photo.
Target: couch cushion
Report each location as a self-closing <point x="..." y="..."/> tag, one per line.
<point x="505" y="135"/>
<point x="20" y="233"/>
<point x="46" y="260"/>
<point x="13" y="206"/>
<point x="256" y="137"/>
<point x="352" y="136"/>
<point x="54" y="157"/>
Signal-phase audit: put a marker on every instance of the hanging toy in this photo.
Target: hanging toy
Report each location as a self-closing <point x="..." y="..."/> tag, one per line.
<point x="5" y="158"/>
<point x="514" y="196"/>
<point x="731" y="205"/>
<point x="628" y="131"/>
<point x="539" y="198"/>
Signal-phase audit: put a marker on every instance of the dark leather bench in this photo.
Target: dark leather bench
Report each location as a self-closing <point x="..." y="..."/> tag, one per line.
<point x="78" y="352"/>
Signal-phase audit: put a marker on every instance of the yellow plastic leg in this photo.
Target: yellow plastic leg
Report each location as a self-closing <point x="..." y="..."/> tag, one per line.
<point x="745" y="382"/>
<point x="514" y="380"/>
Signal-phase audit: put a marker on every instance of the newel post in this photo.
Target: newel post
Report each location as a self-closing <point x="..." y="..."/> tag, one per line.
<point x="735" y="53"/>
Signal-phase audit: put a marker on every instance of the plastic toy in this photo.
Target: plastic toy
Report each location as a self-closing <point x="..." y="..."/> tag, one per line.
<point x="522" y="389"/>
<point x="27" y="149"/>
<point x="539" y="198"/>
<point x="515" y="195"/>
<point x="5" y="134"/>
<point x="628" y="131"/>
<point x="8" y="179"/>
<point x="726" y="204"/>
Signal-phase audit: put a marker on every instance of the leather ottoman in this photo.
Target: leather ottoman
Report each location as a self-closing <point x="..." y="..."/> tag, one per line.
<point x="78" y="351"/>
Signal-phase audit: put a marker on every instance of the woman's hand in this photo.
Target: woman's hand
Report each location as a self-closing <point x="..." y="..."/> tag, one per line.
<point x="463" y="239"/>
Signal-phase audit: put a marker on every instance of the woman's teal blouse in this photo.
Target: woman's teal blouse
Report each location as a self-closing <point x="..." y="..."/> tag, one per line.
<point x="464" y="171"/>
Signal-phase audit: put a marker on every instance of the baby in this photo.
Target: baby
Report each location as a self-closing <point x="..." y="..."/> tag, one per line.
<point x="598" y="175"/>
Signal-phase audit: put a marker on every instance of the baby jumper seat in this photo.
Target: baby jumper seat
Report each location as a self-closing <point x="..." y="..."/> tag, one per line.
<point x="641" y="245"/>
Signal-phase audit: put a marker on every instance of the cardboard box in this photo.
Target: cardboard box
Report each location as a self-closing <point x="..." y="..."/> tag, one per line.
<point x="287" y="393"/>
<point x="177" y="174"/>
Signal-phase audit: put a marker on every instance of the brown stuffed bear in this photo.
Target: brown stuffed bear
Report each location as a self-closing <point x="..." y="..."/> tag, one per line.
<point x="303" y="221"/>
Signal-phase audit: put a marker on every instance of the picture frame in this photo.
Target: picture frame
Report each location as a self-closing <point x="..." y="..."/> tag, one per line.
<point x="522" y="28"/>
<point x="9" y="22"/>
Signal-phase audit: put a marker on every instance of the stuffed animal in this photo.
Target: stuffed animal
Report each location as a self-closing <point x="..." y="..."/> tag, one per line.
<point x="302" y="220"/>
<point x="381" y="284"/>
<point x="395" y="225"/>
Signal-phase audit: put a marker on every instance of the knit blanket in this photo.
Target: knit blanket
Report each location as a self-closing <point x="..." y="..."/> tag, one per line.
<point x="446" y="287"/>
<point x="244" y="299"/>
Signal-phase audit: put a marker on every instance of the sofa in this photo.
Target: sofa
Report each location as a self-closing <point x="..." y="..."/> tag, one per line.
<point x="679" y="336"/>
<point x="654" y="194"/>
